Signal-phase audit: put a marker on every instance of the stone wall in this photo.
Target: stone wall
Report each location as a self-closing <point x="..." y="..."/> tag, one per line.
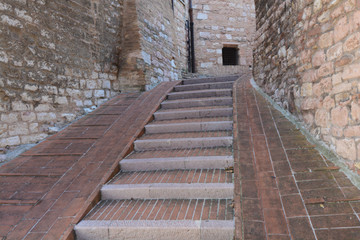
<point x="307" y="58"/>
<point x="163" y="40"/>
<point x="56" y="58"/>
<point x="219" y="23"/>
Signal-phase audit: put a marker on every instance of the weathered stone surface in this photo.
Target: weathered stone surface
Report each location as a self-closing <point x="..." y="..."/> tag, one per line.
<point x="339" y="116"/>
<point x="232" y="24"/>
<point x="58" y="58"/>
<point x="355" y="111"/>
<point x="322" y="118"/>
<point x="346" y="148"/>
<point x="324" y="64"/>
<point x="47" y="47"/>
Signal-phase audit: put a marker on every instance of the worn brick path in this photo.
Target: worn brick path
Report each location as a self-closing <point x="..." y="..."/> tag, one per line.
<point x="48" y="189"/>
<point x="285" y="189"/>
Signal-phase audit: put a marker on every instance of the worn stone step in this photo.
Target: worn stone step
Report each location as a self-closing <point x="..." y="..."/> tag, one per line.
<point x="201" y="102"/>
<point x="172" y="163"/>
<point x="167" y="191"/>
<point x="194" y="113"/>
<point x="189" y="127"/>
<point x="159" y="230"/>
<point x="209" y="80"/>
<point x="182" y="143"/>
<point x="200" y="94"/>
<point x="202" y="86"/>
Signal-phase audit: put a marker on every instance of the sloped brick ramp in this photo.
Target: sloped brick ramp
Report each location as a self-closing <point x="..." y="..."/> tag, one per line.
<point x="284" y="188"/>
<point x="48" y="189"/>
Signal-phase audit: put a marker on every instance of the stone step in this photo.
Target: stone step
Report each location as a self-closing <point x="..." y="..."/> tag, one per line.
<point x="162" y="209"/>
<point x="193" y="120"/>
<point x="201" y="102"/>
<point x="203" y="86"/>
<point x="194" y="113"/>
<point x="159" y="230"/>
<point x="182" y="143"/>
<point x="172" y="163"/>
<point x="195" y="152"/>
<point x="186" y="135"/>
<point x="200" y="94"/>
<point x="167" y="191"/>
<point x="189" y="127"/>
<point x="173" y="176"/>
<point x="209" y="80"/>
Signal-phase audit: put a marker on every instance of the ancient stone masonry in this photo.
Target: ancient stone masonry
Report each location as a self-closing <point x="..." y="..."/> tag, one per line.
<point x="56" y="58"/>
<point x="218" y="24"/>
<point x="307" y="58"/>
<point x="59" y="58"/>
<point x="163" y="40"/>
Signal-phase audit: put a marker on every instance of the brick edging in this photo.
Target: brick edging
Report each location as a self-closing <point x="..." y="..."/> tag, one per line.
<point x="239" y="233"/>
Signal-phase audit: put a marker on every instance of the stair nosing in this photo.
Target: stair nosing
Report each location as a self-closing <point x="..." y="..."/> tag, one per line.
<point x="199" y="84"/>
<point x="195" y="99"/>
<point x="168" y="191"/>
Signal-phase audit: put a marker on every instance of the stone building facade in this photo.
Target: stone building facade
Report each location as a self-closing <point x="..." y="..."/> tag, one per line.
<point x="307" y="58"/>
<point x="219" y="24"/>
<point x="153" y="46"/>
<point x="56" y="58"/>
<point x="59" y="59"/>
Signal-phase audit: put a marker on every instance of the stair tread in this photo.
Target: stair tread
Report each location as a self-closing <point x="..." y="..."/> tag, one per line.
<point x="216" y="151"/>
<point x="162" y="209"/>
<point x="196" y="99"/>
<point x="174" y="176"/>
<point x="201" y="91"/>
<point x="191" y="120"/>
<point x="193" y="109"/>
<point x="190" y="81"/>
<point x="159" y="136"/>
<point x="206" y="83"/>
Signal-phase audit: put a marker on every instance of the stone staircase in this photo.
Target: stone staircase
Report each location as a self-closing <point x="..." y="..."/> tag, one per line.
<point x="178" y="182"/>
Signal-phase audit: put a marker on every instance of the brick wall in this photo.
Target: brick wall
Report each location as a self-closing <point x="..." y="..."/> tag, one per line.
<point x="307" y="59"/>
<point x="219" y="23"/>
<point x="56" y="58"/>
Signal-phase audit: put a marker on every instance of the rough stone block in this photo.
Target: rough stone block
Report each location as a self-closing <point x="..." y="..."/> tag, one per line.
<point x="346" y="148"/>
<point x="340" y="116"/>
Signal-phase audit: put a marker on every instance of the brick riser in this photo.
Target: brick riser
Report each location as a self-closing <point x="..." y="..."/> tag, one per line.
<point x="174" y="185"/>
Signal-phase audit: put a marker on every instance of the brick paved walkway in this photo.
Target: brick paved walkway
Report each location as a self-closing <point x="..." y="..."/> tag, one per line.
<point x="48" y="189"/>
<point x="285" y="189"/>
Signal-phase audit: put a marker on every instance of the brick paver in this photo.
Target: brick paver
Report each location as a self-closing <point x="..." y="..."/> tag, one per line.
<point x="48" y="189"/>
<point x="285" y="189"/>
